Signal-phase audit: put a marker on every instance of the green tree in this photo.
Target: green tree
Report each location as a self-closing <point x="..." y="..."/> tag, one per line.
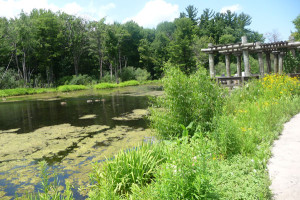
<point x="181" y="48"/>
<point x="296" y="34"/>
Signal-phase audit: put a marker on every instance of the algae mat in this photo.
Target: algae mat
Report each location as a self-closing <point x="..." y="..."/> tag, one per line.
<point x="67" y="148"/>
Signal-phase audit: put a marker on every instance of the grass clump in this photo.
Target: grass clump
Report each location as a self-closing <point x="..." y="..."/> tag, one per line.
<point x="114" y="85"/>
<point x="117" y="176"/>
<point x="68" y="88"/>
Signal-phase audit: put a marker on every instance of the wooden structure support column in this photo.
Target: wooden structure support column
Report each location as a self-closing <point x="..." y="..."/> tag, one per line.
<point x="275" y="62"/>
<point x="280" y="63"/>
<point x="246" y="57"/>
<point x="211" y="65"/>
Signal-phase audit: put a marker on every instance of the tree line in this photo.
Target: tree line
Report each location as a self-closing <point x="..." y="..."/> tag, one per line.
<point x="44" y="46"/>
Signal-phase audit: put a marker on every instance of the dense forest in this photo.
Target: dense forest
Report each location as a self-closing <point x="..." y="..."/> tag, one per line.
<point x="45" y="49"/>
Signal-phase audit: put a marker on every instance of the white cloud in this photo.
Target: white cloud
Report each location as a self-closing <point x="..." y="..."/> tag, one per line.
<point x="154" y="12"/>
<point x="72" y="8"/>
<point x="232" y="8"/>
<point x="11" y="8"/>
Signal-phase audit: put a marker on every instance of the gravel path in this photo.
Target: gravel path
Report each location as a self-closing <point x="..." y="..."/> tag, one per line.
<point x="284" y="165"/>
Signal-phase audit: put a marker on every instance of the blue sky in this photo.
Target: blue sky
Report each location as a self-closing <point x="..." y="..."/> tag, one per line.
<point x="267" y="15"/>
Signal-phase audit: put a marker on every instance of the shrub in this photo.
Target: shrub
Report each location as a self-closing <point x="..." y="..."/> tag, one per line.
<point x="10" y="79"/>
<point x="127" y="74"/>
<point x="141" y="75"/>
<point x="195" y="98"/>
<point x="80" y="80"/>
<point x="107" y="78"/>
<point x="64" y="80"/>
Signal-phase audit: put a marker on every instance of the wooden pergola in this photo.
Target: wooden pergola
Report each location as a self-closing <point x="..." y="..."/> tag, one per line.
<point x="243" y="49"/>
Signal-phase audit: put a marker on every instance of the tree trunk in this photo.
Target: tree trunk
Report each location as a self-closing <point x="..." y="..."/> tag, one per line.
<point x="76" y="61"/>
<point x="24" y="68"/>
<point x="100" y="64"/>
<point x="111" y="73"/>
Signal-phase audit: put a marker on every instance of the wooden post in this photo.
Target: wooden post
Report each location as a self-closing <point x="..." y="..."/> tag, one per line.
<point x="280" y="63"/>
<point x="261" y="64"/>
<point x="238" y="66"/>
<point x="227" y="63"/>
<point x="268" y="60"/>
<point x="275" y="62"/>
<point x="246" y="57"/>
<point x="211" y="62"/>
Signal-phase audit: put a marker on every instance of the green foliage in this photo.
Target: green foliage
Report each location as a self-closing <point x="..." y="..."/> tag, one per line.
<point x="68" y="88"/>
<point x="80" y="80"/>
<point x="195" y="98"/>
<point x="291" y="64"/>
<point x="127" y="74"/>
<point x="117" y="176"/>
<point x="114" y="85"/>
<point x="254" y="66"/>
<point x="296" y="34"/>
<point x="141" y="75"/>
<point x="227" y="39"/>
<point x="9" y="79"/>
<point x="24" y="91"/>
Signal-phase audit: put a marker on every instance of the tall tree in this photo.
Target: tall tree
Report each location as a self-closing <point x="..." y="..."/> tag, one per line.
<point x="97" y="34"/>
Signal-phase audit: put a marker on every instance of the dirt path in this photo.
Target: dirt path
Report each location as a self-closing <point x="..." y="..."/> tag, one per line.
<point x="284" y="165"/>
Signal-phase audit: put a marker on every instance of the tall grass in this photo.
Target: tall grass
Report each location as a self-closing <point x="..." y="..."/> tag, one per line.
<point x="24" y="91"/>
<point x="114" y="85"/>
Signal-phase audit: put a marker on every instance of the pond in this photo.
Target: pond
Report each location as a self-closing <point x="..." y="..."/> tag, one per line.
<point x="69" y="131"/>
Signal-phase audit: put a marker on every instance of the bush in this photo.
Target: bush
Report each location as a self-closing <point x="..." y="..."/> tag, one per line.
<point x="80" y="80"/>
<point x="10" y="79"/>
<point x="127" y="74"/>
<point x="141" y="75"/>
<point x="107" y="78"/>
<point x="195" y="98"/>
<point x="64" y="80"/>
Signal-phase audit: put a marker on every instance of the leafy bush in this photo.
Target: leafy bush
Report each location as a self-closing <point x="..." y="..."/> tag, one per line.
<point x="10" y="79"/>
<point x="80" y="80"/>
<point x="107" y="78"/>
<point x="291" y="64"/>
<point x="68" y="88"/>
<point x="64" y="80"/>
<point x="195" y="98"/>
<point x="141" y="75"/>
<point x="127" y="74"/>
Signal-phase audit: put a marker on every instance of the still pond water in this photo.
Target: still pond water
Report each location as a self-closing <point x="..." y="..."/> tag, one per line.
<point x="69" y="131"/>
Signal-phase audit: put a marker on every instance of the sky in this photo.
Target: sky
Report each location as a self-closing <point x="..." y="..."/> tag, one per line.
<point x="267" y="15"/>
